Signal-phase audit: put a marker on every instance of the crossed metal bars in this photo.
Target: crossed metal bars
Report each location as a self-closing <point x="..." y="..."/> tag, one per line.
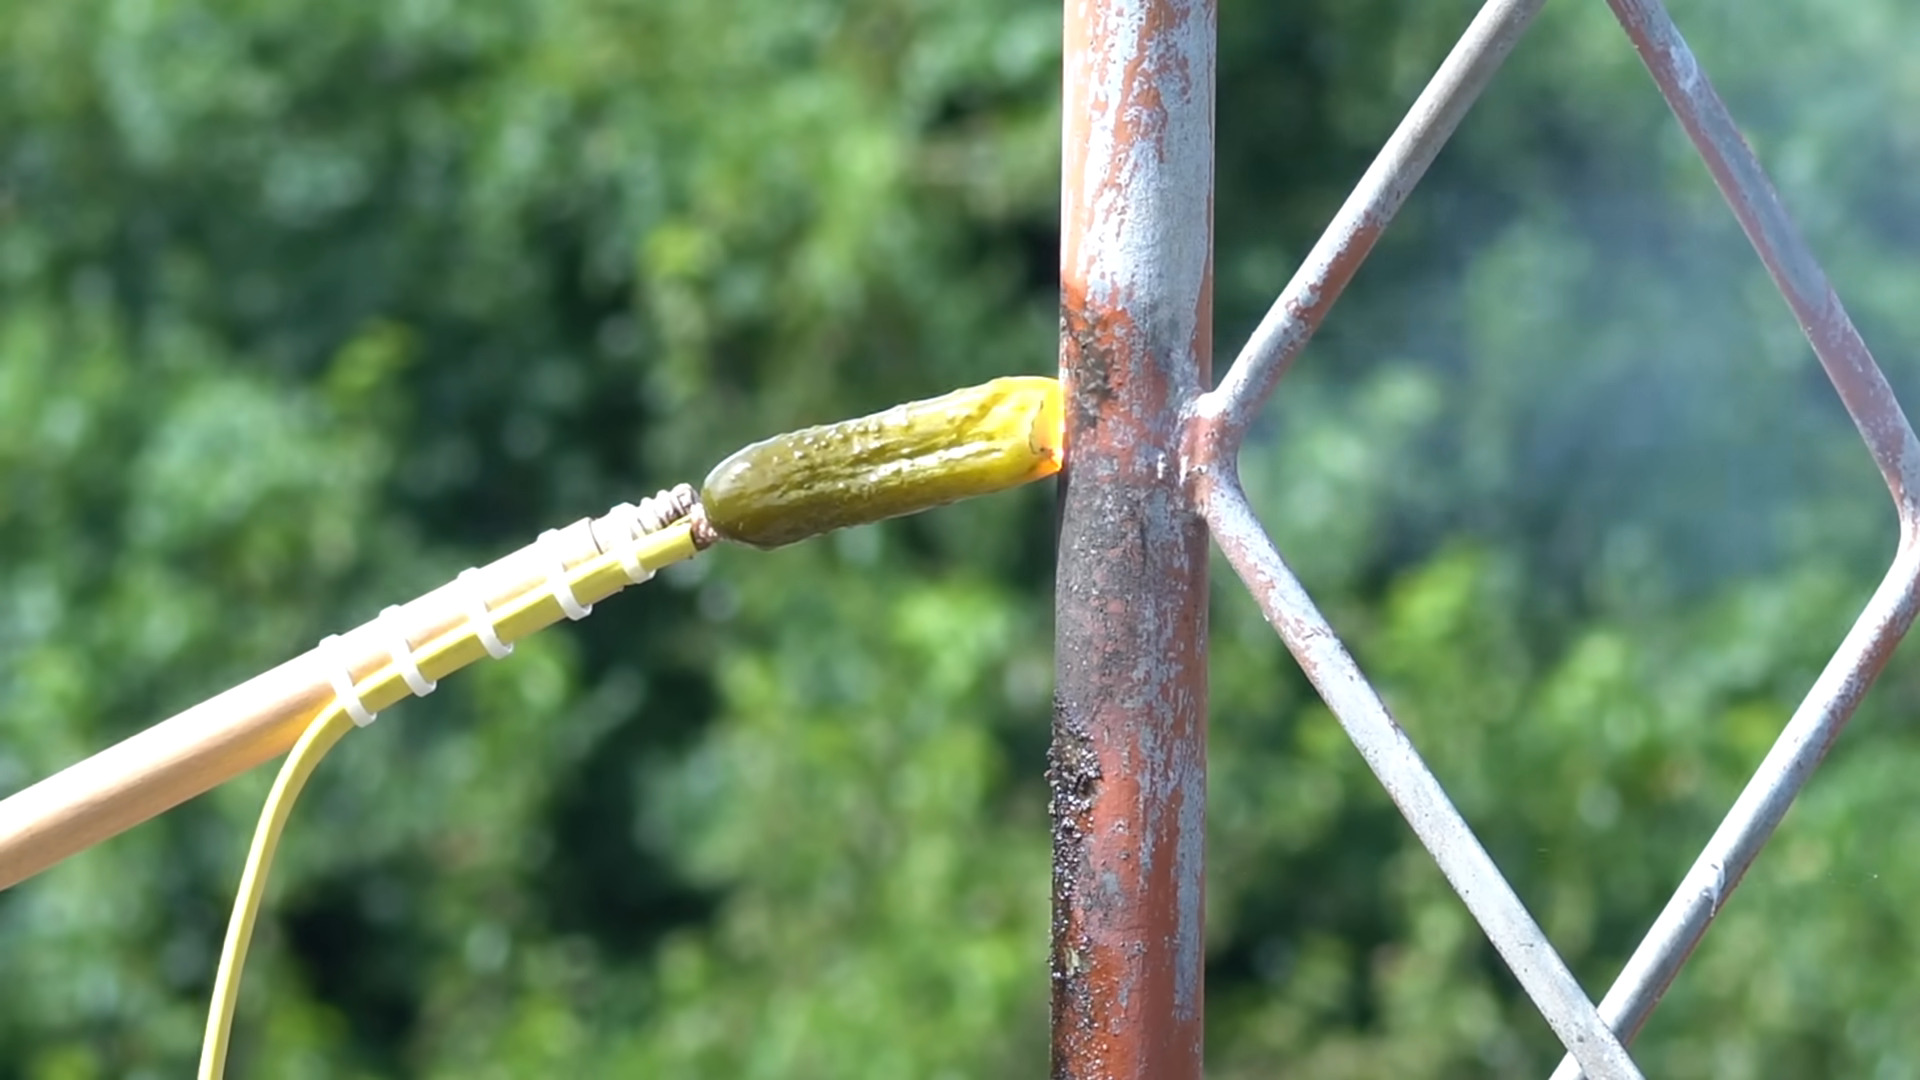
<point x="1154" y="473"/>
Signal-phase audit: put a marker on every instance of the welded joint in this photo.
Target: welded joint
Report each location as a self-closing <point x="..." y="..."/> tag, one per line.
<point x="1209" y="447"/>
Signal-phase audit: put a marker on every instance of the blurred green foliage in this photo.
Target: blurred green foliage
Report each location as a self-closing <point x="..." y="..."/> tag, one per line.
<point x="305" y="307"/>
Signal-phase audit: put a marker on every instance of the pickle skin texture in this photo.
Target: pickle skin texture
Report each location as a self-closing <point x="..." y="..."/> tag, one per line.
<point x="910" y="458"/>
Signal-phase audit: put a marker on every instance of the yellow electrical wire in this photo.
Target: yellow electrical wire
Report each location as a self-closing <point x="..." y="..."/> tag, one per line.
<point x="319" y="738"/>
<point x="591" y="581"/>
<point x="910" y="458"/>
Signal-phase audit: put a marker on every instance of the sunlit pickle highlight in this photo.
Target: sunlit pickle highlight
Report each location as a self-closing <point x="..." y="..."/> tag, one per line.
<point x="910" y="458"/>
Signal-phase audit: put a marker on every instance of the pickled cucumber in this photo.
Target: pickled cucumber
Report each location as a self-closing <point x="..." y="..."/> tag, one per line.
<point x="910" y="458"/>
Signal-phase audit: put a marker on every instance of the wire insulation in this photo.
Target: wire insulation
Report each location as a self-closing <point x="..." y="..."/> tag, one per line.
<point x="401" y="650"/>
<point x="467" y="642"/>
<point x="319" y="738"/>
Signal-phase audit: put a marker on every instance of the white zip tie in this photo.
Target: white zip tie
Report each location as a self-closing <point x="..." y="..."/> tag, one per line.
<point x="341" y="677"/>
<point x="401" y="650"/>
<point x="638" y="525"/>
<point x="650" y="516"/>
<point x="557" y="579"/>
<point x="480" y="617"/>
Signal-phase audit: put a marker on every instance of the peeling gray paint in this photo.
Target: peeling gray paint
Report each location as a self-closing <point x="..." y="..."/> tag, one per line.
<point x="1128" y="766"/>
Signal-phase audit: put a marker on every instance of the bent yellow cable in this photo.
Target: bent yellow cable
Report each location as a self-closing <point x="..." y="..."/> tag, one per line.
<point x="910" y="458"/>
<point x="455" y="649"/>
<point x="319" y="738"/>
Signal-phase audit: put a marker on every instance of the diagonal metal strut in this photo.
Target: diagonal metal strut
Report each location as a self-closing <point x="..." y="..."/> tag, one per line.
<point x="1869" y="400"/>
<point x="1216" y="428"/>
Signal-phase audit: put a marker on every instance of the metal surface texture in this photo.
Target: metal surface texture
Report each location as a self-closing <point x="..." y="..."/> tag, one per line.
<point x="1870" y="401"/>
<point x="1217" y="426"/>
<point x="1408" y="781"/>
<point x="1349" y="239"/>
<point x="1127" y="768"/>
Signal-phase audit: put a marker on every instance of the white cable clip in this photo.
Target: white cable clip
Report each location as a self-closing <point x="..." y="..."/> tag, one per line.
<point x="401" y="650"/>
<point x="480" y="618"/>
<point x="557" y="579"/>
<point x="342" y="679"/>
<point x="638" y="525"/>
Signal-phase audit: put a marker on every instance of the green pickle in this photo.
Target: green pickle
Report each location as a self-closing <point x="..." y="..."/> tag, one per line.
<point x="910" y="458"/>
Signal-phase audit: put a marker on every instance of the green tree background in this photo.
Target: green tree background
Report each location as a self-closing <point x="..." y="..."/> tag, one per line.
<point x="304" y="307"/>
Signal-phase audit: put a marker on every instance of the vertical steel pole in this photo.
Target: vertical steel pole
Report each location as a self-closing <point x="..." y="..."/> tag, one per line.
<point x="1128" y="763"/>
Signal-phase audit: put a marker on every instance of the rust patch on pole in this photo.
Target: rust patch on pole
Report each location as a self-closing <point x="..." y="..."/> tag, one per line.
<point x="1128" y="763"/>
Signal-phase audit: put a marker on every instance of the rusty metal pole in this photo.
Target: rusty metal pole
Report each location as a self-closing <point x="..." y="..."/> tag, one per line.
<point x="1128" y="763"/>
